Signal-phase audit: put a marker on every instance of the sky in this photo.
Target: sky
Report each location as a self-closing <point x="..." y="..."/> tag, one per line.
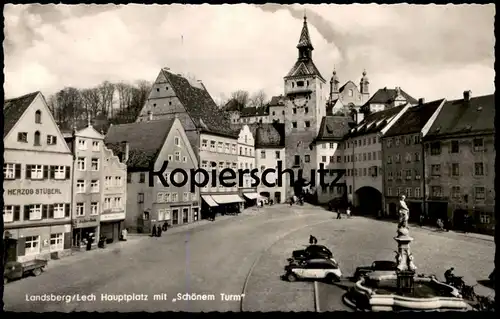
<point x="429" y="51"/>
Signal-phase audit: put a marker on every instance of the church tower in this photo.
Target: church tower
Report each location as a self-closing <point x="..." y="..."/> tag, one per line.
<point x="334" y="86"/>
<point x="304" y="108"/>
<point x="364" y="86"/>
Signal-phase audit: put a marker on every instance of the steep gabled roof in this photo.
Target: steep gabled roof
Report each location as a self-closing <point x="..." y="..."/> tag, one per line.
<point x="145" y="141"/>
<point x="233" y="105"/>
<point x="333" y="128"/>
<point x="277" y="101"/>
<point x="304" y="68"/>
<point x="200" y="106"/>
<point x="375" y="122"/>
<point x="460" y="116"/>
<point x="386" y="96"/>
<point x="269" y="135"/>
<point x="414" y="119"/>
<point x="14" y="108"/>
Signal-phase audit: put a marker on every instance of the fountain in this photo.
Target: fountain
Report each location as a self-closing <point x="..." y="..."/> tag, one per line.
<point x="403" y="290"/>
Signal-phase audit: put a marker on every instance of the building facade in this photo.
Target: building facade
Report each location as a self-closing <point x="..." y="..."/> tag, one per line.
<point x="145" y="147"/>
<point x="403" y="151"/>
<point x="246" y="161"/>
<point x="386" y="98"/>
<point x="87" y="147"/>
<point x="459" y="162"/>
<point x="363" y="160"/>
<point x="37" y="181"/>
<point x="269" y="150"/>
<point x="114" y="190"/>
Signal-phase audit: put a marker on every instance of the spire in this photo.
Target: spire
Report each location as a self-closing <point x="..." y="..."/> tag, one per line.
<point x="305" y="40"/>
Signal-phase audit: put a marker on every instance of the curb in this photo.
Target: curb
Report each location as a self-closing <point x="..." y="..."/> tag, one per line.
<point x="256" y="261"/>
<point x="316" y="297"/>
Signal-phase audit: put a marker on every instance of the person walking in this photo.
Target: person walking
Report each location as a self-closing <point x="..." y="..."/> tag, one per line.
<point x="339" y="216"/>
<point x="422" y="220"/>
<point x="124" y="234"/>
<point x="158" y="231"/>
<point x="153" y="233"/>
<point x="348" y="212"/>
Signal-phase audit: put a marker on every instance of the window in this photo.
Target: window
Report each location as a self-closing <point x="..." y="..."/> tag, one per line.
<point x="118" y="181"/>
<point x="220" y="147"/>
<point x="184" y="159"/>
<point x="160" y="197"/>
<point x="140" y="198"/>
<point x="294" y="124"/>
<point x="221" y="165"/>
<point x="161" y="214"/>
<point x="454" y="147"/>
<point x="296" y="160"/>
<point x="82" y="144"/>
<point x="397" y="158"/>
<point x="323" y="159"/>
<point x="300" y="83"/>
<point x="416" y="139"/>
<point x="369" y="156"/>
<point x="339" y="159"/>
<point x="364" y="171"/>
<point x="56" y="242"/>
<point x="417" y="157"/>
<point x="177" y="141"/>
<point x="11" y="171"/>
<point x="389" y="159"/>
<point x="212" y="146"/>
<point x="177" y="156"/>
<point x="478" y="144"/>
<point x="479" y="193"/>
<point x="204" y="144"/>
<point x="81" y="163"/>
<point x="129" y="178"/>
<point x="95" y="146"/>
<point x="436" y="169"/>
<point x="59" y="172"/>
<point x="408" y="157"/>
<point x="227" y="148"/>
<point x="436" y="191"/>
<point x="435" y="148"/>
<point x="193" y="196"/>
<point x="408" y="192"/>
<point x="58" y="210"/>
<point x="38" y="117"/>
<point x="478" y="169"/>
<point x="408" y="174"/>
<point x="95" y="164"/>
<point x="22" y="137"/>
<point x="36" y="142"/>
<point x="204" y="164"/>
<point x="332" y="159"/>
<point x="166" y="197"/>
<point x="241" y="150"/>
<point x="32" y="245"/>
<point x="142" y="178"/>
<point x="11" y="213"/>
<point x="94" y="208"/>
<point x="307" y="158"/>
<point x="484" y="218"/>
<point x="351" y="93"/>
<point x="389" y="176"/>
<point x="51" y="140"/>
<point x="175" y="216"/>
<point x="262" y="154"/>
<point x="398" y="174"/>
<point x="455" y="191"/>
<point x="107" y="201"/>
<point x="170" y="157"/>
<point x="80" y="186"/>
<point x="306" y="110"/>
<point x="397" y="140"/>
<point x="234" y="148"/>
<point x="307" y="124"/>
<point x="455" y="169"/>
<point x="417" y="192"/>
<point x="417" y="174"/>
<point x="117" y="202"/>
<point x="80" y="209"/>
<point x="94" y="186"/>
<point x="399" y="191"/>
<point x="277" y="154"/>
<point x="174" y="197"/>
<point x="389" y="191"/>
<point x="185" y="196"/>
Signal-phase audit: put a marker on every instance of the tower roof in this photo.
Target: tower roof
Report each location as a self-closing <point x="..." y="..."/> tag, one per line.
<point x="305" y="40"/>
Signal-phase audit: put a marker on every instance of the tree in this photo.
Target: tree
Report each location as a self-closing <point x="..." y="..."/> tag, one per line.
<point x="258" y="99"/>
<point x="241" y="97"/>
<point x="106" y="93"/>
<point x="91" y="100"/>
<point x="69" y="107"/>
<point x="124" y="95"/>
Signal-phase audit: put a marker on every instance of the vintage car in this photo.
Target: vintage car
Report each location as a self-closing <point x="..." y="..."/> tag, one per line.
<point x="312" y="252"/>
<point x="379" y="265"/>
<point x="316" y="269"/>
<point x="15" y="270"/>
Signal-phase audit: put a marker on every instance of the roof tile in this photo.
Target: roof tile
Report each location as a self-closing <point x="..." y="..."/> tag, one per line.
<point x="414" y="119"/>
<point x="14" y="108"/>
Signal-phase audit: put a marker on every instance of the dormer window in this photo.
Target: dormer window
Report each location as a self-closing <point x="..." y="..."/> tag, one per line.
<point x="38" y="117"/>
<point x="351" y="93"/>
<point x="300" y="83"/>
<point x="37" y="139"/>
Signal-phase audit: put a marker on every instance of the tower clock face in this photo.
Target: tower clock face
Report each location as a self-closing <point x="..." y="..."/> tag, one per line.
<point x="299" y="101"/>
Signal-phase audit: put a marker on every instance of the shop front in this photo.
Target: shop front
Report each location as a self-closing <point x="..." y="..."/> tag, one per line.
<point x="45" y="242"/>
<point x="208" y="206"/>
<point x="85" y="230"/>
<point x="111" y="226"/>
<point x="228" y="204"/>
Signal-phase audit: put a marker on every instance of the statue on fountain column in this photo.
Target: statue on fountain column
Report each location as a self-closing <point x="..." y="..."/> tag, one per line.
<point x="404" y="215"/>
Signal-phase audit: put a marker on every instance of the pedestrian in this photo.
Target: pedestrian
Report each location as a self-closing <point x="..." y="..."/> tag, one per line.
<point x="165" y="226"/>
<point x="422" y="220"/>
<point x="158" y="231"/>
<point x="348" y="212"/>
<point x="291" y="201"/>
<point x="339" y="216"/>
<point x="153" y="233"/>
<point x="89" y="241"/>
<point x="312" y="240"/>
<point x="447" y="224"/>
<point x="124" y="234"/>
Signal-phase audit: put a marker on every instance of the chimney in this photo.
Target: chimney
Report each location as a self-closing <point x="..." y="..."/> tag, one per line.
<point x="467" y="95"/>
<point x="125" y="151"/>
<point x="421" y="101"/>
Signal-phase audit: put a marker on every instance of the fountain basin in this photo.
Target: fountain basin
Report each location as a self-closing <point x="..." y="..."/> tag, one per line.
<point x="378" y="292"/>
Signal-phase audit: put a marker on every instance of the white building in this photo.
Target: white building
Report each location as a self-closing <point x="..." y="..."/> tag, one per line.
<point x="246" y="161"/>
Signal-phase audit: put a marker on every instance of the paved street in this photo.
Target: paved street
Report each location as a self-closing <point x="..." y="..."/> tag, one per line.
<point x="215" y="258"/>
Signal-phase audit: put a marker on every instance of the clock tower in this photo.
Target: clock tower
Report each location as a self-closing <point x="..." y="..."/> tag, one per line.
<point x="304" y="108"/>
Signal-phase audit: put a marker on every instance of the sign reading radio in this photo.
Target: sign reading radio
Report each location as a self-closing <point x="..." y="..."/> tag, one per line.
<point x="85" y="222"/>
<point x="34" y="191"/>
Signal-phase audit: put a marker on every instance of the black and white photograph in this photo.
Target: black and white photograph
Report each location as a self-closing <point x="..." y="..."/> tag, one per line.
<point x="248" y="158"/>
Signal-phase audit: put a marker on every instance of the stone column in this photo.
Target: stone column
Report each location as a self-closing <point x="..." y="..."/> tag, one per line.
<point x="405" y="268"/>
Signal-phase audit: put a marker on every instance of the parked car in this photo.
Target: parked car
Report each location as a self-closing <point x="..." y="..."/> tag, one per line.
<point x="322" y="269"/>
<point x="15" y="270"/>
<point x="379" y="265"/>
<point x="312" y="252"/>
<point x="337" y="203"/>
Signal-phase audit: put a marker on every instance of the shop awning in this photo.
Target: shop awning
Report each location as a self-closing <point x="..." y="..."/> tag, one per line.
<point x="251" y="195"/>
<point x="227" y="199"/>
<point x="209" y="200"/>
